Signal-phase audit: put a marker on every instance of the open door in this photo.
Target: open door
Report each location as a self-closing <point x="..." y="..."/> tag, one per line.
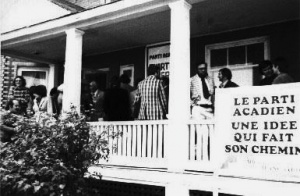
<point x="100" y="76"/>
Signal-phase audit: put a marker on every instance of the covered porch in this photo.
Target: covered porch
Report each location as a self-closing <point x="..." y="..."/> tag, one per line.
<point x="174" y="153"/>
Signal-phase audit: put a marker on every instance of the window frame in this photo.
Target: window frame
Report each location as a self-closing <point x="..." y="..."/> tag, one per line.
<point x="128" y="67"/>
<point x="243" y="42"/>
<point x="21" y="69"/>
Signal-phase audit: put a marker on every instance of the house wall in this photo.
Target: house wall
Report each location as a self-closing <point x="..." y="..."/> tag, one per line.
<point x="8" y="73"/>
<point x="284" y="42"/>
<point x="116" y="59"/>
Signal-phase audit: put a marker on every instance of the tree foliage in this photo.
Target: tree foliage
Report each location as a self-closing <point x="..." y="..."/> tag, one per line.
<point x="49" y="156"/>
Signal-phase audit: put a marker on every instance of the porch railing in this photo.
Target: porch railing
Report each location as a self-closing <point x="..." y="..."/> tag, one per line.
<point x="199" y="142"/>
<point x="142" y="143"/>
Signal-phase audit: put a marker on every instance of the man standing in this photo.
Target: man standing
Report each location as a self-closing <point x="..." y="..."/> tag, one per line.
<point x="202" y="90"/>
<point x="152" y="96"/>
<point x="279" y="67"/>
<point x="225" y="76"/>
<point x="266" y="69"/>
<point x="97" y="97"/>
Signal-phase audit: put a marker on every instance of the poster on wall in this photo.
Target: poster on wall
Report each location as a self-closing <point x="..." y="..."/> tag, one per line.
<point x="159" y="56"/>
<point x="258" y="132"/>
<point x="129" y="71"/>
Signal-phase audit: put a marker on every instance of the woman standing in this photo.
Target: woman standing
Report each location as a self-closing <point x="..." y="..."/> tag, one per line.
<point x="40" y="99"/>
<point x="19" y="92"/>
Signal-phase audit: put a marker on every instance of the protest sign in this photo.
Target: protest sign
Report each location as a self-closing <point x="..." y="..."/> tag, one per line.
<point x="258" y="132"/>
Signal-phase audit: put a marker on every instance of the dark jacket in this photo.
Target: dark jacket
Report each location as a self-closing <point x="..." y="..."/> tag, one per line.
<point x="230" y="84"/>
<point x="116" y="105"/>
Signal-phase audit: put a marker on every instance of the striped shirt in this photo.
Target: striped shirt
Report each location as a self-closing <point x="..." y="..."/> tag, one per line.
<point x="153" y="99"/>
<point x="22" y="94"/>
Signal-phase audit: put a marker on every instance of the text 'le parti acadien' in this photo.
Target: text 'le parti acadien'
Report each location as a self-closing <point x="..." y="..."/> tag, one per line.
<point x="268" y="105"/>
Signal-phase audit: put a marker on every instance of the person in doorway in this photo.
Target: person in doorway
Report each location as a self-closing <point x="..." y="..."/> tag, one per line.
<point x="266" y="69"/>
<point x="21" y="93"/>
<point x="151" y="94"/>
<point x="202" y="91"/>
<point x="97" y="102"/>
<point x="225" y="77"/>
<point x="279" y="68"/>
<point x="124" y="83"/>
<point x="116" y="102"/>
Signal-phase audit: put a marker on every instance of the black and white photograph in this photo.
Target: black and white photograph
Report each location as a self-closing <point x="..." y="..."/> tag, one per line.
<point x="150" y="98"/>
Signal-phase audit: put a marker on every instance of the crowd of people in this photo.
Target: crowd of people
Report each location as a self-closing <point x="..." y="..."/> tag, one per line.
<point x="34" y="99"/>
<point x="148" y="100"/>
<point x="202" y="87"/>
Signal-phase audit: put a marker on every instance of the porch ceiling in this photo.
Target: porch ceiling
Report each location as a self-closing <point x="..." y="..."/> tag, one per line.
<point x="207" y="17"/>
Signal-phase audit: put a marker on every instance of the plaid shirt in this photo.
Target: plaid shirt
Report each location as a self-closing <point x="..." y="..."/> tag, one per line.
<point x="153" y="99"/>
<point x="20" y="93"/>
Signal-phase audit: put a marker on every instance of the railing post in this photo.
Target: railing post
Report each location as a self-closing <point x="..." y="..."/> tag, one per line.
<point x="179" y="110"/>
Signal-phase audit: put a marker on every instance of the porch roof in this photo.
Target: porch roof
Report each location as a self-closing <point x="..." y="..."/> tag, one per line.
<point x="128" y="24"/>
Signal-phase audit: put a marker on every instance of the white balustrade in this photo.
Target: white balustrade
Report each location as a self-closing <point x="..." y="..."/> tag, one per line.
<point x="200" y="137"/>
<point x="142" y="143"/>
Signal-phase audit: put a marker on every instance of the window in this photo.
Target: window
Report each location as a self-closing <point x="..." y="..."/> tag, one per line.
<point x="129" y="71"/>
<point x="35" y="76"/>
<point x="100" y="76"/>
<point x="240" y="56"/>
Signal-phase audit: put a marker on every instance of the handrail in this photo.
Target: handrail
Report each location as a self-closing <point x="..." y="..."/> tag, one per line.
<point x="150" y="122"/>
<point x="136" y="122"/>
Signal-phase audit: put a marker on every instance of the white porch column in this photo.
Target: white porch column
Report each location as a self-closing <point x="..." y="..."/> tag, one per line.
<point x="179" y="99"/>
<point x="72" y="75"/>
<point x="52" y="81"/>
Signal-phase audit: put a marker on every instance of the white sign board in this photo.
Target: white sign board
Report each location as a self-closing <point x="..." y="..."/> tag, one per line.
<point x="258" y="132"/>
<point x="159" y="56"/>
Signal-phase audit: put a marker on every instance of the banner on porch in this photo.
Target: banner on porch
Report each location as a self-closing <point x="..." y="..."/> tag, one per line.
<point x="258" y="132"/>
<point x="159" y="56"/>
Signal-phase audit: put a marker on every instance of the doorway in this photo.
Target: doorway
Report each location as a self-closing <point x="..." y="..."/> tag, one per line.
<point x="99" y="76"/>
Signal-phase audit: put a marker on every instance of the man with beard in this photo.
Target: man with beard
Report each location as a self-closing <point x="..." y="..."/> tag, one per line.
<point x="202" y="91"/>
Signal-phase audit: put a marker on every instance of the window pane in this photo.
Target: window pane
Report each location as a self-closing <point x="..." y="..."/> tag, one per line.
<point x="237" y="55"/>
<point x="34" y="78"/>
<point x="255" y="53"/>
<point x="218" y="57"/>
